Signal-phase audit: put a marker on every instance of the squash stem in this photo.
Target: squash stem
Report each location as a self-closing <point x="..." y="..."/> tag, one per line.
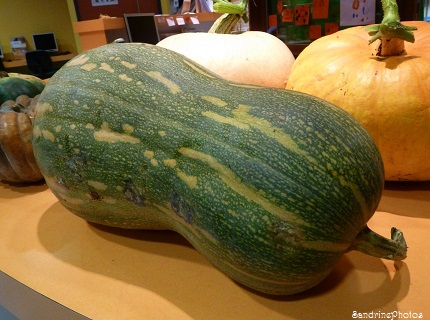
<point x="376" y="245"/>
<point x="232" y="13"/>
<point x="390" y="29"/>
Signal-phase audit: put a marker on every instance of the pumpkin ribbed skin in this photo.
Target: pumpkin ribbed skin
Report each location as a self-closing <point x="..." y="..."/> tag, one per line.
<point x="17" y="162"/>
<point x="388" y="96"/>
<point x="271" y="186"/>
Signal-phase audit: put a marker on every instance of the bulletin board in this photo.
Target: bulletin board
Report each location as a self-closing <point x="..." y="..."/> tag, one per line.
<point x="301" y="21"/>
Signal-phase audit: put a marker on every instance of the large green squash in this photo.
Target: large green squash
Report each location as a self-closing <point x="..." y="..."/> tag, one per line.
<point x="271" y="186"/>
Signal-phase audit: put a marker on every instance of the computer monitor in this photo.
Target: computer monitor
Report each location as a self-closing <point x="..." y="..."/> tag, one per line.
<point x="45" y="41"/>
<point x="141" y="27"/>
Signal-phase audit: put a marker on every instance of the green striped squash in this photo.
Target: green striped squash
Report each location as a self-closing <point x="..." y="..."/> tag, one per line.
<point x="271" y="186"/>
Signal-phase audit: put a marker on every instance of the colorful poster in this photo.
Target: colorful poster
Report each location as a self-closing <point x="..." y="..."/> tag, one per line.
<point x="19" y="47"/>
<point x="320" y="9"/>
<point x="357" y="12"/>
<point x="331" y="27"/>
<point x="301" y="14"/>
<point x="96" y="3"/>
<point x="315" y="32"/>
<point x="287" y="15"/>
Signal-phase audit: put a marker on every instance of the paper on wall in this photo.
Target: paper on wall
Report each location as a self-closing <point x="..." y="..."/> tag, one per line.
<point x="357" y="12"/>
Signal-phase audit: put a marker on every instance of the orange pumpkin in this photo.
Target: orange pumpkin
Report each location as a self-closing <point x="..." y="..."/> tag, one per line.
<point x="388" y="95"/>
<point x="17" y="162"/>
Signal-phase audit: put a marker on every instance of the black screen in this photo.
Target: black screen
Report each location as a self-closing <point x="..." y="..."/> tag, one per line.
<point x="141" y="27"/>
<point x="45" y="41"/>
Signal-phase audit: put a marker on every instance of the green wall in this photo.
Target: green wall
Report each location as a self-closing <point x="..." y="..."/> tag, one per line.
<point x="25" y="17"/>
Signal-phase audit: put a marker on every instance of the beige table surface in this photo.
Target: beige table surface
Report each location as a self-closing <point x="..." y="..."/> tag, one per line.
<point x="106" y="273"/>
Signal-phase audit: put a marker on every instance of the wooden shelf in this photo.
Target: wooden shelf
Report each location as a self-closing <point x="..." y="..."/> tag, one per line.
<point x="98" y="32"/>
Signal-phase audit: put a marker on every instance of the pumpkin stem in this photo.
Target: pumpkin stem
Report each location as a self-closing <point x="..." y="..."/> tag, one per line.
<point x="373" y="244"/>
<point x="391" y="32"/>
<point x="232" y="14"/>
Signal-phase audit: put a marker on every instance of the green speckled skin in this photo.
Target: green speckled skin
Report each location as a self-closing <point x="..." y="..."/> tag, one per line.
<point x="12" y="87"/>
<point x="271" y="186"/>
